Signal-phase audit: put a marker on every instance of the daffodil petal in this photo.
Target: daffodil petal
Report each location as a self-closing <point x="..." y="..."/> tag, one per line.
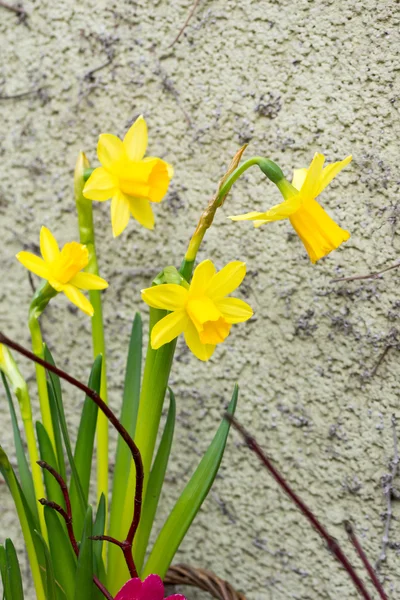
<point x="168" y="296"/>
<point x="192" y="339"/>
<point x="159" y="180"/>
<point x="283" y="210"/>
<point x="234" y="310"/>
<point x="201" y="277"/>
<point x="226" y="280"/>
<point x="310" y="186"/>
<point x="89" y="281"/>
<point x="135" y="140"/>
<point x="259" y="223"/>
<point x="141" y="211"/>
<point x="48" y="245"/>
<point x="33" y="263"/>
<point x="251" y="216"/>
<point x="330" y="172"/>
<point x="78" y="299"/>
<point x="119" y="213"/>
<point x="168" y="328"/>
<point x="170" y="170"/>
<point x="299" y="177"/>
<point x="101" y="185"/>
<point x="110" y="150"/>
<point x="59" y="287"/>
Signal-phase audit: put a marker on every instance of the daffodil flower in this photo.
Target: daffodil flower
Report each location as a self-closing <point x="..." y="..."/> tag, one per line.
<point x="202" y="312"/>
<point x="62" y="269"/>
<point x="151" y="588"/>
<point x="130" y="180"/>
<point x="318" y="232"/>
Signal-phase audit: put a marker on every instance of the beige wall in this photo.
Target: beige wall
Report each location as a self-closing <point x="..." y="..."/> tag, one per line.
<point x="290" y="78"/>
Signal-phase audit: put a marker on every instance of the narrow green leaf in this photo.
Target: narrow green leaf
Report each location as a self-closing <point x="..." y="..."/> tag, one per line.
<point x="155" y="485"/>
<point x="23" y="466"/>
<point x="99" y="529"/>
<point x="83" y="455"/>
<point x="64" y="561"/>
<point x="129" y="411"/>
<point x="52" y="591"/>
<point x="190" y="501"/>
<point x="79" y="507"/>
<point x="14" y="572"/>
<point x="46" y="450"/>
<point x="84" y="586"/>
<point x="4" y="574"/>
<point x="35" y="552"/>
<point x="54" y="389"/>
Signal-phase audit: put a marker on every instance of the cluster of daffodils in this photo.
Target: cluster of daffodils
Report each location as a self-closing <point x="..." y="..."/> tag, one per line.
<point x="201" y="309"/>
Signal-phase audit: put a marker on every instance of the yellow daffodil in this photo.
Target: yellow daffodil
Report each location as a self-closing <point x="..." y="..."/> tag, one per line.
<point x="62" y="269"/>
<point x="318" y="232"/>
<point x="202" y="312"/>
<point x="130" y="180"/>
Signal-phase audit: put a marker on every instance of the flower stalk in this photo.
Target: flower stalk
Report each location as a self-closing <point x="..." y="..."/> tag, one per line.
<point x="87" y="237"/>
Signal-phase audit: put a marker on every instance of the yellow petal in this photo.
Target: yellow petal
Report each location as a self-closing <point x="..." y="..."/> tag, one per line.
<point x="251" y="216"/>
<point x="259" y="223"/>
<point x="101" y="185"/>
<point x="119" y="213"/>
<point x="310" y="186"/>
<point x="168" y="296"/>
<point x="318" y="232"/>
<point x="33" y="263"/>
<point x="234" y="310"/>
<point x="110" y="150"/>
<point x="168" y="328"/>
<point x="141" y="211"/>
<point x="192" y="339"/>
<point x="330" y="173"/>
<point x="135" y="140"/>
<point x="48" y="245"/>
<point x="158" y="180"/>
<point x="201" y="278"/>
<point x="170" y="170"/>
<point x="89" y="281"/>
<point x="78" y="299"/>
<point x="201" y="310"/>
<point x="59" y="287"/>
<point x="299" y="177"/>
<point x="226" y="280"/>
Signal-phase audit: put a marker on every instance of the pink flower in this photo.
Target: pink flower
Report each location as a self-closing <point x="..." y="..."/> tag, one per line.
<point x="151" y="588"/>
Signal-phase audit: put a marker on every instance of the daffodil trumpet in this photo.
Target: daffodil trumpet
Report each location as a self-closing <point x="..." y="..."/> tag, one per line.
<point x="84" y="209"/>
<point x="316" y="229"/>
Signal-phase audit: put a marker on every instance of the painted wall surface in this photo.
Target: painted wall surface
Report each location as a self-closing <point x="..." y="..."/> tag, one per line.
<point x="290" y="78"/>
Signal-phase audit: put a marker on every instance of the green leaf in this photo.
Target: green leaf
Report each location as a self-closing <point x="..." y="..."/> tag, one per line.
<point x="79" y="507"/>
<point x="155" y="484"/>
<point x="129" y="411"/>
<point x="35" y="552"/>
<point x="98" y="529"/>
<point x="52" y="591"/>
<point x="4" y="574"/>
<point x="46" y="450"/>
<point x="54" y="389"/>
<point x="13" y="572"/>
<point x="83" y="455"/>
<point x="64" y="561"/>
<point x="190" y="501"/>
<point x="84" y="587"/>
<point x="23" y="466"/>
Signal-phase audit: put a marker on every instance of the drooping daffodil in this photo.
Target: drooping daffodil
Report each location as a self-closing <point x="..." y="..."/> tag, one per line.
<point x="130" y="180"/>
<point x="62" y="269"/>
<point x="151" y="588"/>
<point x="202" y="312"/>
<point x="318" y="232"/>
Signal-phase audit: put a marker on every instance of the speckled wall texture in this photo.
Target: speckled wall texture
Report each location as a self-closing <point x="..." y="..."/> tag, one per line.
<point x="290" y="78"/>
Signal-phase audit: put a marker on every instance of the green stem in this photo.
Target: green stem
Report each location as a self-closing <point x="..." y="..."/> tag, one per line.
<point x="87" y="237"/>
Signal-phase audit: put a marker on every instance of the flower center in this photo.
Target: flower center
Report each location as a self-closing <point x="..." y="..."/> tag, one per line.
<point x="73" y="258"/>
<point x="209" y="322"/>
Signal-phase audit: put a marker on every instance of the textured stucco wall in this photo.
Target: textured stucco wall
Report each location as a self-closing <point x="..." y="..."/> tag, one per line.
<point x="290" y="78"/>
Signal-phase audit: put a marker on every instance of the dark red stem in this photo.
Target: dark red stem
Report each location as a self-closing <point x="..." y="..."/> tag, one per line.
<point x="127" y="544"/>
<point x="332" y="544"/>
<point x="373" y="576"/>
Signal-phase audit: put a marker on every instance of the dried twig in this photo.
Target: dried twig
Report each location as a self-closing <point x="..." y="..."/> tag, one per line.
<point x="387" y="484"/>
<point x="203" y="580"/>
<point x="17" y="9"/>
<point x="376" y="275"/>
<point x="89" y="74"/>
<point x="126" y="545"/>
<point x="380" y="360"/>
<point x="332" y="544"/>
<point x="186" y="23"/>
<point x="22" y="95"/>
<point x="373" y="576"/>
